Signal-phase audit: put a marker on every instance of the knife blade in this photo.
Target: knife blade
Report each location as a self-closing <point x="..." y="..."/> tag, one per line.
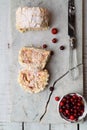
<point x="72" y="40"/>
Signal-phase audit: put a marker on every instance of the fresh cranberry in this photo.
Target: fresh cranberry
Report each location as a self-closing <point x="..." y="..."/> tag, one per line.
<point x="44" y="46"/>
<point x="60" y="110"/>
<point x="82" y="111"/>
<point x="54" y="40"/>
<point x="79" y="104"/>
<point x="67" y="111"/>
<point x="67" y="101"/>
<point x="64" y="99"/>
<point x="62" y="47"/>
<point x="71" y="100"/>
<point x="57" y="98"/>
<point x="75" y="111"/>
<point x="75" y="96"/>
<point x="52" y="53"/>
<point x="68" y="97"/>
<point x="61" y="103"/>
<point x="72" y="117"/>
<point x="75" y="115"/>
<point x="80" y="98"/>
<point x="54" y="30"/>
<point x="51" y="89"/>
<point x="77" y="108"/>
<point x="67" y="106"/>
<point x="79" y="114"/>
<point x="71" y="110"/>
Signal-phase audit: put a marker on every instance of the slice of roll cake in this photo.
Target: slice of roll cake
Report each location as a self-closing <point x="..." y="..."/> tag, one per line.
<point x="31" y="18"/>
<point x="33" y="81"/>
<point x="33" y="58"/>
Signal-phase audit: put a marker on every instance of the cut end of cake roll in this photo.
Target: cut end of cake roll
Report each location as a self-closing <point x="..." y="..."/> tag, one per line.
<point x="33" y="58"/>
<point x="32" y="18"/>
<point x="33" y="81"/>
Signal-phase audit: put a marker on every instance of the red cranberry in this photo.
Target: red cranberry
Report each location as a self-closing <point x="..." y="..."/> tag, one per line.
<point x="71" y="99"/>
<point x="80" y="98"/>
<point x="64" y="99"/>
<point x="75" y="96"/>
<point x="75" y="115"/>
<point x="57" y="98"/>
<point x="62" y="47"/>
<point x="67" y="106"/>
<point x="67" y="101"/>
<point x="54" y="30"/>
<point x="65" y="114"/>
<point x="52" y="53"/>
<point x="82" y="111"/>
<point x="67" y="111"/>
<point x="61" y="103"/>
<point x="72" y="117"/>
<point x="79" y="114"/>
<point x="75" y="111"/>
<point x="54" y="40"/>
<point x="44" y="46"/>
<point x="77" y="108"/>
<point x="51" y="89"/>
<point x="79" y="104"/>
<point x="60" y="110"/>
<point x="71" y="110"/>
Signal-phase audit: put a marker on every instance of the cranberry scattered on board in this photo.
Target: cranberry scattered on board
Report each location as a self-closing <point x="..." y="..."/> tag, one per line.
<point x="44" y="46"/>
<point x="54" y="40"/>
<point x="57" y="98"/>
<point x="62" y="47"/>
<point x="54" y="30"/>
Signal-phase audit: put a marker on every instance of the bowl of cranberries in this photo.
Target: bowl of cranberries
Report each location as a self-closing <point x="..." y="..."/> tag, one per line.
<point x="72" y="107"/>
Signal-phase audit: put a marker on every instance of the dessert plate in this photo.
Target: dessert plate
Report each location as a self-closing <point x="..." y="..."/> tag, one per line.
<point x="41" y="107"/>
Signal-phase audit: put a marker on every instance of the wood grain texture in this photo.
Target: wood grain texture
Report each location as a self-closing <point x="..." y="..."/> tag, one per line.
<point x="10" y="126"/>
<point x="64" y="127"/>
<point x="83" y="126"/>
<point x="35" y="126"/>
<point x="5" y="104"/>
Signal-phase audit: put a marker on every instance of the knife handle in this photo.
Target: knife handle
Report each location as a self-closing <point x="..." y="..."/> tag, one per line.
<point x="73" y="63"/>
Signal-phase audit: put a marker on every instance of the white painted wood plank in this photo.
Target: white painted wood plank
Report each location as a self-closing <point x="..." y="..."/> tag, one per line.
<point x="10" y="126"/>
<point x="35" y="126"/>
<point x="83" y="126"/>
<point x="64" y="127"/>
<point x="5" y="104"/>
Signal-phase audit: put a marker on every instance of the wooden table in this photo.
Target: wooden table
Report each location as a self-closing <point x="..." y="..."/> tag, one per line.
<point x="5" y="102"/>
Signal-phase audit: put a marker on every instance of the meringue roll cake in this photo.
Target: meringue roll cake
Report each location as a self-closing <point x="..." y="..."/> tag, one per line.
<point x="33" y="81"/>
<point x="32" y="18"/>
<point x="33" y="58"/>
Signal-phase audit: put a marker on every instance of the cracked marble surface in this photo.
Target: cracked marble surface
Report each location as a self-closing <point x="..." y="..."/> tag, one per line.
<point x="31" y="107"/>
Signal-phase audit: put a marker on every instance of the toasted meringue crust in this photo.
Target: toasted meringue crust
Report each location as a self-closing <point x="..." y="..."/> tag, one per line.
<point x="31" y="18"/>
<point x="33" y="81"/>
<point x="33" y="58"/>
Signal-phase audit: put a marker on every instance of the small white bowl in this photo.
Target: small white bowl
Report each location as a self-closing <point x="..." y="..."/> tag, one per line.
<point x="80" y="117"/>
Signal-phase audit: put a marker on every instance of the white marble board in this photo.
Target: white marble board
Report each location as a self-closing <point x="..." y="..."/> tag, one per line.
<point x="31" y="107"/>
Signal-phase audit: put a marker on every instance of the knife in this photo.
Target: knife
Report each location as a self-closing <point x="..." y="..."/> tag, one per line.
<point x="73" y="64"/>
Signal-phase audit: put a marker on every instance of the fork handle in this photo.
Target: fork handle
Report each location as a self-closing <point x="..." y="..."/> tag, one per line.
<point x="73" y="63"/>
